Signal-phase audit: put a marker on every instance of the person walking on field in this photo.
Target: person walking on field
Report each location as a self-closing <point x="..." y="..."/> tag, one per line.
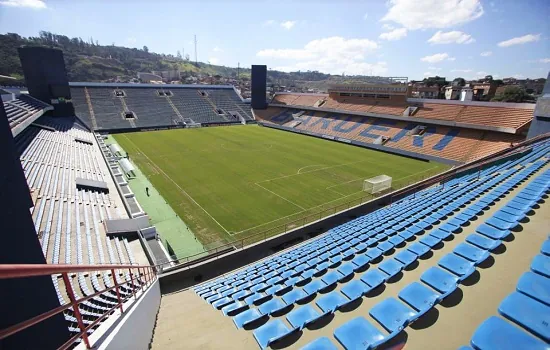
<point x="147" y="191"/>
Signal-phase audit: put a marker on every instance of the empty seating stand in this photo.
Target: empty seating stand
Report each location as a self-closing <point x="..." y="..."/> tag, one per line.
<point x="181" y="105"/>
<point x="68" y="219"/>
<point x="291" y="291"/>
<point x="24" y="108"/>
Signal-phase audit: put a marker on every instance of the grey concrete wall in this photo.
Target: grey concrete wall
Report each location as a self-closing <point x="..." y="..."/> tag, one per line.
<point x="135" y="329"/>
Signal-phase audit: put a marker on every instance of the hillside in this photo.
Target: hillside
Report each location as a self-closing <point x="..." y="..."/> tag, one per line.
<point x="89" y="61"/>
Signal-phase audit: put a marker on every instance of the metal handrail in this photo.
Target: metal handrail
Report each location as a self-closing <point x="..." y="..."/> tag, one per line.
<point x="145" y="275"/>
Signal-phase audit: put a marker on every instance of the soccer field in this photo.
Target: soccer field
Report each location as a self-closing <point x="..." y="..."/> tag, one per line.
<point x="227" y="183"/>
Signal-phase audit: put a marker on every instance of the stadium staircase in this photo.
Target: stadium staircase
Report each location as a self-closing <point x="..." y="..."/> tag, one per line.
<point x="286" y="294"/>
<point x="126" y="109"/>
<point x="91" y="109"/>
<point x="175" y="109"/>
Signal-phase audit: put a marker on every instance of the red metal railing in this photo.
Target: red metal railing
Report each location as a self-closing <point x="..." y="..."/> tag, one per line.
<point x="141" y="277"/>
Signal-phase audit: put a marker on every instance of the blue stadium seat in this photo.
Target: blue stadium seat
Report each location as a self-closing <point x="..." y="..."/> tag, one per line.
<point x="483" y="242"/>
<point x="374" y="278"/>
<point x="497" y="334"/>
<point x="392" y="315"/>
<point x="459" y="266"/>
<point x="501" y="224"/>
<point x="391" y="267"/>
<point x="322" y="343"/>
<point x="247" y="317"/>
<point x="360" y="261"/>
<point x="302" y="316"/>
<point x="346" y="270"/>
<point x="314" y="286"/>
<point x="234" y="308"/>
<point x="273" y="306"/>
<point x="420" y="297"/>
<point x="355" y="289"/>
<point x="471" y="253"/>
<point x="545" y="249"/>
<point x="294" y="296"/>
<point x="440" y="234"/>
<point x="406" y="257"/>
<point x="528" y="313"/>
<point x="440" y="280"/>
<point x="332" y="301"/>
<point x="330" y="279"/>
<point x="541" y="265"/>
<point x="535" y="286"/>
<point x="218" y="304"/>
<point x="271" y="332"/>
<point x="256" y="299"/>
<point x="359" y="333"/>
<point x="374" y="253"/>
<point x="430" y="241"/>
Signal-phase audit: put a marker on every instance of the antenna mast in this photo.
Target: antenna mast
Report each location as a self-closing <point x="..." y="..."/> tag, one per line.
<point x="196" y="61"/>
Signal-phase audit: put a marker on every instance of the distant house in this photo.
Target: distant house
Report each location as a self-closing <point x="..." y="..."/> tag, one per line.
<point x="484" y="91"/>
<point x="421" y="91"/>
<point x="452" y="92"/>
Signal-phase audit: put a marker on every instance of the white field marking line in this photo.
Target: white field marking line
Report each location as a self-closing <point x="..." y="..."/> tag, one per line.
<point x="342" y="183"/>
<point x="181" y="189"/>
<point x="320" y="205"/>
<point x="284" y="217"/>
<point x="311" y="171"/>
<point x="401" y="178"/>
<point x="330" y="189"/>
<point x="304" y="210"/>
<point x="309" y="166"/>
<point x="288" y="200"/>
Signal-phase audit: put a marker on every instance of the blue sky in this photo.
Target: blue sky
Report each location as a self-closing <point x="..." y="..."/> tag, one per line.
<point x="413" y="38"/>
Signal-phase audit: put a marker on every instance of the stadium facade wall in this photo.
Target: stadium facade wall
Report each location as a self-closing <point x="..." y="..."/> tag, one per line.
<point x="165" y="127"/>
<point x="380" y="148"/>
<point x="135" y="329"/>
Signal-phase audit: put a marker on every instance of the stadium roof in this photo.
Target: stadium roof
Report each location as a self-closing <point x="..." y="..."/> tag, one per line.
<point x="156" y="86"/>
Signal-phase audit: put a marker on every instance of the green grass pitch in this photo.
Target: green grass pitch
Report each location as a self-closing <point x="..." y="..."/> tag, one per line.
<point x="229" y="183"/>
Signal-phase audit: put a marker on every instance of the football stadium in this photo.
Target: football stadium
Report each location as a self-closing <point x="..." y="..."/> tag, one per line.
<point x="141" y="216"/>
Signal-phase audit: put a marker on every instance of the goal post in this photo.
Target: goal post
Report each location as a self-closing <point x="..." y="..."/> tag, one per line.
<point x="377" y="184"/>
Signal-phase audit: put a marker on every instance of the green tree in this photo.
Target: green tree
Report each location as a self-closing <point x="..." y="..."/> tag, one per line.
<point x="146" y="49"/>
<point x="512" y="93"/>
<point x="459" y="82"/>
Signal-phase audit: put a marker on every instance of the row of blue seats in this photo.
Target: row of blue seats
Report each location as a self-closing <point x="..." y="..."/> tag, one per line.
<point x="528" y="307"/>
<point x="438" y="283"/>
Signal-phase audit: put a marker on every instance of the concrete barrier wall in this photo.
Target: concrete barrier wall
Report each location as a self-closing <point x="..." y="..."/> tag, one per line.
<point x="135" y="329"/>
<point x="181" y="278"/>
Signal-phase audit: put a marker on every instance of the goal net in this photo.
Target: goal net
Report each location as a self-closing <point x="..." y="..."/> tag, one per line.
<point x="377" y="184"/>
